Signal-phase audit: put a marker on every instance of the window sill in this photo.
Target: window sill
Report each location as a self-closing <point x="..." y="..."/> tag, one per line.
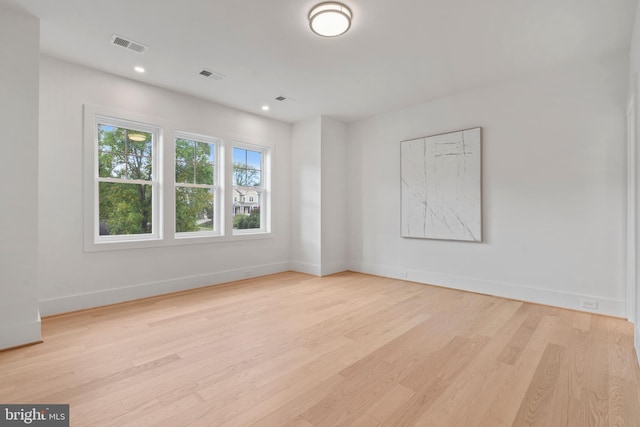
<point x="175" y="241"/>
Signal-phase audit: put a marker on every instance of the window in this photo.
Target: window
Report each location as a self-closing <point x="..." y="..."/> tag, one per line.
<point x="196" y="184"/>
<point x="249" y="175"/>
<point x="149" y="185"/>
<point x="126" y="180"/>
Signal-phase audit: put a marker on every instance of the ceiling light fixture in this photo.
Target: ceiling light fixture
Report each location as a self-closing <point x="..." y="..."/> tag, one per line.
<point x="265" y="108"/>
<point x="330" y="19"/>
<point x="137" y="137"/>
<point x="139" y="69"/>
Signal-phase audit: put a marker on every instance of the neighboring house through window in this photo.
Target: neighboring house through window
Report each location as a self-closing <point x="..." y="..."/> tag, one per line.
<point x="249" y="176"/>
<point x="196" y="184"/>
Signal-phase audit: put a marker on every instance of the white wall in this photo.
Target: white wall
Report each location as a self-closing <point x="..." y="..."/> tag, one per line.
<point x="634" y="51"/>
<point x="71" y="278"/>
<point x="306" y="186"/>
<point x="19" y="50"/>
<point x="334" y="196"/>
<point x="319" y="196"/>
<point x="633" y="234"/>
<point x="553" y="189"/>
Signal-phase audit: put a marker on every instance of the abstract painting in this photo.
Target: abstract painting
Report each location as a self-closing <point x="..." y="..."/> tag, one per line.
<point x="441" y="186"/>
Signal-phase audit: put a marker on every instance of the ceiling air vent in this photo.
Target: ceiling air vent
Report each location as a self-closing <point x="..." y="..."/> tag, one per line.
<point x="280" y="98"/>
<point x="129" y="44"/>
<point x="211" y="74"/>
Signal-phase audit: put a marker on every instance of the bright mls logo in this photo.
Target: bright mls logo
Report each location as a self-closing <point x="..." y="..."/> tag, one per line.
<point x="34" y="415"/>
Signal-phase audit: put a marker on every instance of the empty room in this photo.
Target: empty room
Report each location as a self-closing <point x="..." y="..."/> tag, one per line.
<point x="308" y="213"/>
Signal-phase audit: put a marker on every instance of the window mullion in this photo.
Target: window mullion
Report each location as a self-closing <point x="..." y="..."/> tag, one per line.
<point x="187" y="185"/>
<point x="126" y="181"/>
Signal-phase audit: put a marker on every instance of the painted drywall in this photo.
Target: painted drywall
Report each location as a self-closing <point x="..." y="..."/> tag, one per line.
<point x="71" y="278"/>
<point x="631" y="234"/>
<point x="553" y="189"/>
<point x="633" y="179"/>
<point x="19" y="50"/>
<point x="634" y="51"/>
<point x="633" y="208"/>
<point x="334" y="196"/>
<point x="306" y="186"/>
<point x="319" y="196"/>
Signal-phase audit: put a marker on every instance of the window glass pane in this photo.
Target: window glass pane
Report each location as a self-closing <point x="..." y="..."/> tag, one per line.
<point x="184" y="149"/>
<point x="250" y="219"/>
<point x="111" y="165"/>
<point x="139" y="143"/>
<point x="254" y="177"/>
<point x="239" y="175"/>
<point x="254" y="159"/>
<point x="111" y="139"/>
<point x="194" y="209"/>
<point x="138" y="167"/>
<point x="246" y="168"/>
<point x="246" y="208"/>
<point x="247" y="175"/>
<point x="125" y="208"/>
<point x="204" y="152"/>
<point x="204" y="173"/>
<point x="239" y="156"/>
<point x="194" y="162"/>
<point x="204" y="163"/>
<point x="184" y="161"/>
<point x="121" y="157"/>
<point x="182" y="171"/>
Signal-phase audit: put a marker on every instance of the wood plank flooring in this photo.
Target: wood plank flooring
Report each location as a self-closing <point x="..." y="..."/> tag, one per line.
<point x="344" y="350"/>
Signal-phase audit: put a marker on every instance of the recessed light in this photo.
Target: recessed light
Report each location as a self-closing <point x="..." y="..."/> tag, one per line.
<point x="139" y="69"/>
<point x="265" y="108"/>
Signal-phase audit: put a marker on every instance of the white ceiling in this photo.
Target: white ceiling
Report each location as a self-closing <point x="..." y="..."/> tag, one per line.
<point x="397" y="53"/>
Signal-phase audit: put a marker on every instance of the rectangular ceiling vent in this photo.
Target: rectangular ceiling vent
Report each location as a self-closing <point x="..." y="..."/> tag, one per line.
<point x="129" y="44"/>
<point x="211" y="74"/>
<point x="280" y="98"/>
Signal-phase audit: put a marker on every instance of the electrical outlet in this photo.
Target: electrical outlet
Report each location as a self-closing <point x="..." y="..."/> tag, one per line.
<point x="403" y="275"/>
<point x="589" y="303"/>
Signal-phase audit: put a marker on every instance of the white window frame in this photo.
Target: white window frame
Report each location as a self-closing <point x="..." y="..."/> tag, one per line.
<point x="163" y="234"/>
<point x="218" y="184"/>
<point x="93" y="117"/>
<point x="264" y="194"/>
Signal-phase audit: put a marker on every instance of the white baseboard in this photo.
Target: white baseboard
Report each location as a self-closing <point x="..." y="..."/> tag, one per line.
<point x="338" y="267"/>
<point x="303" y="267"/>
<point x="607" y="306"/>
<point x="319" y="270"/>
<point x="19" y="335"/>
<point x="636" y="339"/>
<point x="70" y="303"/>
<point x="23" y="334"/>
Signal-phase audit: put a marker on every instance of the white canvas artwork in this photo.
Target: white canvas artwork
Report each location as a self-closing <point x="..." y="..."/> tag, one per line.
<point x="441" y="186"/>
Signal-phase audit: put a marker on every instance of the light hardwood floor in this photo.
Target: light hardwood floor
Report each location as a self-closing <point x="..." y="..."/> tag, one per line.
<point x="349" y="349"/>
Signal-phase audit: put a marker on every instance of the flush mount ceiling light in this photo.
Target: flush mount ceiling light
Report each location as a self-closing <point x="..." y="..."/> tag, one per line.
<point x="137" y="137"/>
<point x="330" y="19"/>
